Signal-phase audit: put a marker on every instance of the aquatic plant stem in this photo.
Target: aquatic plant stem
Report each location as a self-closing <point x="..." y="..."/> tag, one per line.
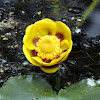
<point x="56" y="7"/>
<point x="87" y="12"/>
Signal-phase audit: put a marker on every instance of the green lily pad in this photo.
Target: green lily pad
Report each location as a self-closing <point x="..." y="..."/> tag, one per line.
<point x="27" y="87"/>
<point x="31" y="87"/>
<point x="87" y="89"/>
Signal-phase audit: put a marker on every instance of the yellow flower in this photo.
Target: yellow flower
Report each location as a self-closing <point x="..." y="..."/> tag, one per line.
<point x="47" y="43"/>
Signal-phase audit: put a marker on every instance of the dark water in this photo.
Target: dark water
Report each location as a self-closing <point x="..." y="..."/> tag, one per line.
<point x="92" y="23"/>
<point x="83" y="61"/>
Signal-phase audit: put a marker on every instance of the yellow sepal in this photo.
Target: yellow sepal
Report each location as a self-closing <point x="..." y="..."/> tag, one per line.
<point x="63" y="29"/>
<point x="67" y="52"/>
<point x="64" y="45"/>
<point x="28" y="55"/>
<point x="46" y="26"/>
<point x="31" y="34"/>
<point x="51" y="69"/>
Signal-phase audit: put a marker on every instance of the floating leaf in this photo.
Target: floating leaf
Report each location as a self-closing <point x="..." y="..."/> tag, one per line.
<point x="87" y="89"/>
<point x="27" y="88"/>
<point x="31" y="87"/>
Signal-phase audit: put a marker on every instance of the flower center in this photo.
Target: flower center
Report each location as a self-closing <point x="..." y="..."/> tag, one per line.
<point x="48" y="47"/>
<point x="47" y="43"/>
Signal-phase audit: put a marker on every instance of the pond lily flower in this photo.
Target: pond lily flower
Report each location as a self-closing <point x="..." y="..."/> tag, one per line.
<point x="47" y="43"/>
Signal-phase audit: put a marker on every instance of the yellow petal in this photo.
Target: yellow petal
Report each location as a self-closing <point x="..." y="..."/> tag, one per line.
<point x="53" y="62"/>
<point x="63" y="29"/>
<point x="39" y="60"/>
<point x="67" y="52"/>
<point x="64" y="45"/>
<point x="30" y="36"/>
<point x="29" y="28"/>
<point x="28" y="55"/>
<point x="46" y="26"/>
<point x="51" y="69"/>
<point x="60" y="58"/>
